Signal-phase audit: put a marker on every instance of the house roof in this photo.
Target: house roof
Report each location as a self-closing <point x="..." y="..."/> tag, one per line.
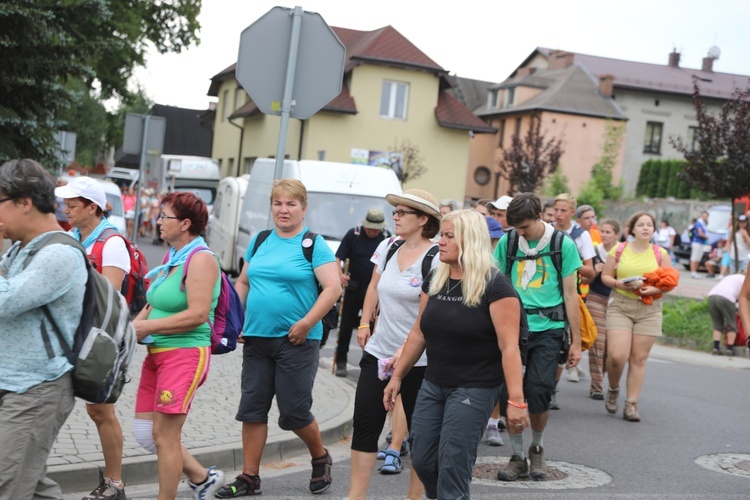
<point x="567" y="90"/>
<point x="472" y="93"/>
<point x="384" y="46"/>
<point x="657" y="77"/>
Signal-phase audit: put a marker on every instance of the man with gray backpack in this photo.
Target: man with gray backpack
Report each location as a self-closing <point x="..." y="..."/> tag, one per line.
<point x="36" y="385"/>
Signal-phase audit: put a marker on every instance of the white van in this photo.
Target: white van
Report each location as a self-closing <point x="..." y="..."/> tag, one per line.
<point x="338" y="197"/>
<point x="224" y="219"/>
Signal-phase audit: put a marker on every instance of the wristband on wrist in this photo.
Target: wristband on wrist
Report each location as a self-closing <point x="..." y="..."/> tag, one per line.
<point x="363" y="325"/>
<point x="522" y="406"/>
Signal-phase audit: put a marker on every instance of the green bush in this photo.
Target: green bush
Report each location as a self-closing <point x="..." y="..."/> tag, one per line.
<point x="591" y="194"/>
<point x="555" y="184"/>
<point x="687" y="322"/>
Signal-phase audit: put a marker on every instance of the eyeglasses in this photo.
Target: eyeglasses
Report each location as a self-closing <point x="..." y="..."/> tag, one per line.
<point x="165" y="216"/>
<point x="401" y="213"/>
<point x="3" y="200"/>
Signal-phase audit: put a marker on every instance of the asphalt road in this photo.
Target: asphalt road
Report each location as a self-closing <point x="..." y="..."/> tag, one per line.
<point x="690" y="414"/>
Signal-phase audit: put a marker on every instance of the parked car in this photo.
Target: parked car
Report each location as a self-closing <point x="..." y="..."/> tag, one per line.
<point x="718" y="228"/>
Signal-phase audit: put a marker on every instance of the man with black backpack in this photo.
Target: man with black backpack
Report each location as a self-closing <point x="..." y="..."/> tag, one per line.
<point x="541" y="263"/>
<point x="36" y="386"/>
<point x="354" y="253"/>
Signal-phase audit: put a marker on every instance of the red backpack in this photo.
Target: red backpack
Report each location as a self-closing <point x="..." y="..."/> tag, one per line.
<point x="135" y="283"/>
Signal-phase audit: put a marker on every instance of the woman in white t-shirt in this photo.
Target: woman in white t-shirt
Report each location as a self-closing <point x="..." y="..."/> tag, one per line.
<point x="664" y="236"/>
<point x="85" y="203"/>
<point x="395" y="288"/>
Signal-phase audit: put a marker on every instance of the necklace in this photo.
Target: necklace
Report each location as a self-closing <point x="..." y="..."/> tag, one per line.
<point x="451" y="288"/>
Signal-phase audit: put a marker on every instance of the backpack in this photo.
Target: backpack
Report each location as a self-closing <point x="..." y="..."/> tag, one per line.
<point x="104" y="341"/>
<point x="426" y="260"/>
<point x="229" y="314"/>
<point x="691" y="232"/>
<point x="331" y="318"/>
<point x="556" y="313"/>
<point x="135" y="284"/>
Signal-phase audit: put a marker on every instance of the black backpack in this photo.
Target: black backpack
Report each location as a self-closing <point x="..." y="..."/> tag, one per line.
<point x="426" y="260"/>
<point x="330" y="320"/>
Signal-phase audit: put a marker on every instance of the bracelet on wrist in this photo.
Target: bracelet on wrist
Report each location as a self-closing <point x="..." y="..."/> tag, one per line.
<point x="522" y="406"/>
<point x="363" y="326"/>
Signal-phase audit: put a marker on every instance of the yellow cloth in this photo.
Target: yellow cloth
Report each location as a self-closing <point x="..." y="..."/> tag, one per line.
<point x="635" y="264"/>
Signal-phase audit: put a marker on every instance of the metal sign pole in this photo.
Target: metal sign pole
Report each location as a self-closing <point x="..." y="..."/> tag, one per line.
<point x="134" y="236"/>
<point x="286" y="102"/>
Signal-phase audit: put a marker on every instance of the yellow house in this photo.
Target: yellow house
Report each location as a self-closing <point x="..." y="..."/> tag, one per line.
<point x="393" y="96"/>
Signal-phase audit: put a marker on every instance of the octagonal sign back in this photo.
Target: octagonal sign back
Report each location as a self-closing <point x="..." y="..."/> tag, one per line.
<point x="264" y="52"/>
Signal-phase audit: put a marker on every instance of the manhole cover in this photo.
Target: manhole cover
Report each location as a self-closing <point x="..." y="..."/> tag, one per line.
<point x="560" y="475"/>
<point x="489" y="471"/>
<point x="736" y="464"/>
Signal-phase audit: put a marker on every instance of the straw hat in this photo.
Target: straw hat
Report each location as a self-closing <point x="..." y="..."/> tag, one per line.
<point x="375" y="219"/>
<point x="418" y="199"/>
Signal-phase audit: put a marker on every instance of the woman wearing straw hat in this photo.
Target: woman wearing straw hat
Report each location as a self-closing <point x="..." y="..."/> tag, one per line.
<point x="396" y="288"/>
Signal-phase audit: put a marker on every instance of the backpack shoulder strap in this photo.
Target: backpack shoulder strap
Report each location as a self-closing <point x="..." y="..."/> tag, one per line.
<point x="187" y="263"/>
<point x="657" y="254"/>
<point x="618" y="252"/>
<point x="357" y="232"/>
<point x="511" y="250"/>
<point x="576" y="231"/>
<point x="262" y="236"/>
<point x="557" y="257"/>
<point x="97" y="251"/>
<point x="427" y="260"/>
<point x="392" y="250"/>
<point x="308" y="250"/>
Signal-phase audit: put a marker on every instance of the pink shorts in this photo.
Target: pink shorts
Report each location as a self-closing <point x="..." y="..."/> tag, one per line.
<point x="170" y="378"/>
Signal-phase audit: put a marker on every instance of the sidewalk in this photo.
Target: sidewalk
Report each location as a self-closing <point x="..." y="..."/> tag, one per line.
<point x="211" y="432"/>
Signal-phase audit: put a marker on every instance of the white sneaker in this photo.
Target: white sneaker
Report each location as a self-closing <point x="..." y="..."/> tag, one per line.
<point x="581" y="372"/>
<point x="492" y="436"/>
<point x="572" y="375"/>
<point x="213" y="484"/>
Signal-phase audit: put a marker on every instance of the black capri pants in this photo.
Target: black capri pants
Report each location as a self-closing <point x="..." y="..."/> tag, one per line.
<point x="369" y="412"/>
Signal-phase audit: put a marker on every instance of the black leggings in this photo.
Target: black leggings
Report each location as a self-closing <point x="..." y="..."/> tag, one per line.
<point x="369" y="412"/>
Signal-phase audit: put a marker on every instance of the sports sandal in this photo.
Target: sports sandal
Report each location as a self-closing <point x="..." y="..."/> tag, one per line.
<point x="243" y="485"/>
<point x="321" y="479"/>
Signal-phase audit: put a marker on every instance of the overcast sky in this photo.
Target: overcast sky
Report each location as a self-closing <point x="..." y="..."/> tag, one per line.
<point x="478" y="39"/>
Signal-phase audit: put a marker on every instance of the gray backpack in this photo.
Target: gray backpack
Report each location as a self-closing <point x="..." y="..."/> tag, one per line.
<point x="105" y="339"/>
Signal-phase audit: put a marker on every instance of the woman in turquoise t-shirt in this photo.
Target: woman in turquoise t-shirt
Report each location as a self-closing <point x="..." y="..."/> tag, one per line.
<point x="175" y="326"/>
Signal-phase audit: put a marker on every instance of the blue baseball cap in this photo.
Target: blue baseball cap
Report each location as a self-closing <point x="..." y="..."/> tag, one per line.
<point x="496" y="230"/>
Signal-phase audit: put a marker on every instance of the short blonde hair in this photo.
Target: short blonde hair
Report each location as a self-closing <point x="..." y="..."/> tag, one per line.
<point x="569" y="198"/>
<point x="292" y="187"/>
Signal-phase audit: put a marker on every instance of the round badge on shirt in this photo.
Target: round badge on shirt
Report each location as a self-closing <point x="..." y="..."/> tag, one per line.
<point x="416" y="281"/>
<point x="307" y="243"/>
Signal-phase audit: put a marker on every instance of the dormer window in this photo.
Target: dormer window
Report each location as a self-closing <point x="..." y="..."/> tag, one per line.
<point x="510" y="97"/>
<point x="492" y="99"/>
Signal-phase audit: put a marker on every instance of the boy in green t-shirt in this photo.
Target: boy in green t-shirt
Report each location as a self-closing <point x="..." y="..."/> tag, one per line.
<point x="537" y="282"/>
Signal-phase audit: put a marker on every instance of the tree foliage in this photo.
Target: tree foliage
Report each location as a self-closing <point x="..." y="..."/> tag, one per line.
<point x="410" y="164"/>
<point x="555" y="183"/>
<point x="719" y="163"/>
<point x="46" y="44"/>
<point x="601" y="172"/>
<point x="529" y="161"/>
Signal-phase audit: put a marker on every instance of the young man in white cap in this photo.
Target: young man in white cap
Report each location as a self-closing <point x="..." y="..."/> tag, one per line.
<point x="355" y="270"/>
<point x="499" y="210"/>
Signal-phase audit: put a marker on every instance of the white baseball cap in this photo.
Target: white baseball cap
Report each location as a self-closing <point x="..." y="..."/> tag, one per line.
<point x="501" y="203"/>
<point x="84" y="187"/>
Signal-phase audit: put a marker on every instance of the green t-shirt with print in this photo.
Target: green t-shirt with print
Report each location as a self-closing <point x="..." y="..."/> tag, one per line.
<point x="543" y="290"/>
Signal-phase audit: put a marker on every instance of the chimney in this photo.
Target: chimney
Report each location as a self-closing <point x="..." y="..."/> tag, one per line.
<point x="606" y="85"/>
<point x="559" y="59"/>
<point x="708" y="64"/>
<point x="674" y="59"/>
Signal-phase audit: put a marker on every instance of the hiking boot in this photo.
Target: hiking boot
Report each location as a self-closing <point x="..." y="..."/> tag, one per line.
<point x="243" y="485"/>
<point x="572" y="374"/>
<point x="553" y="404"/>
<point x="321" y="479"/>
<point x="106" y="490"/>
<point x="501" y="426"/>
<point x="597" y="395"/>
<point x="630" y="412"/>
<point x="517" y="468"/>
<point x="212" y="484"/>
<point x="341" y="370"/>
<point x="611" y="403"/>
<point x="492" y="436"/>
<point x="392" y="464"/>
<point x="537" y="466"/>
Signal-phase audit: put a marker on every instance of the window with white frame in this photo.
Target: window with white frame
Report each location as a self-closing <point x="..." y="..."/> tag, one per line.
<point x="393" y="100"/>
<point x="510" y="97"/>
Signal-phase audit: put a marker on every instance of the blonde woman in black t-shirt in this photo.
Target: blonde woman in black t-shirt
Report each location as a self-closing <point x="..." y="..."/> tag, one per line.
<point x="469" y="324"/>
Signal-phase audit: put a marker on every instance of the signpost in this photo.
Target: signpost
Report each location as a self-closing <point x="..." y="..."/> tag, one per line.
<point x="291" y="64"/>
<point x="144" y="135"/>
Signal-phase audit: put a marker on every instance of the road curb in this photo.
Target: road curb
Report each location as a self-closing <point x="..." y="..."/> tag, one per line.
<point x="227" y="457"/>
